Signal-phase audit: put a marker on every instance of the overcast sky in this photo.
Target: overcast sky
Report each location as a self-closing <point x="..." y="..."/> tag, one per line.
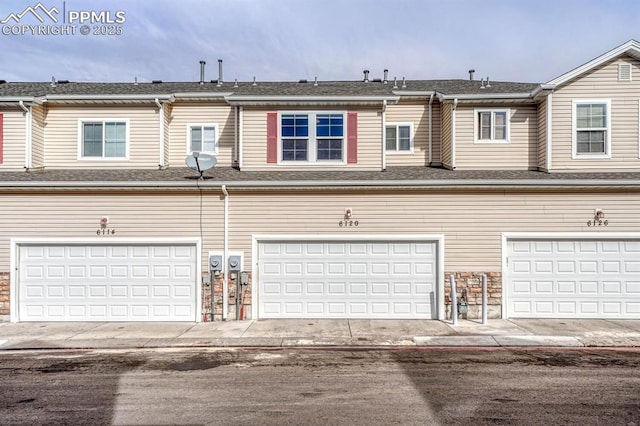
<point x="510" y="40"/>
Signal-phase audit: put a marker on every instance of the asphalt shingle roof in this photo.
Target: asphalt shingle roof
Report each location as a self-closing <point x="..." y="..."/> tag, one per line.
<point x="228" y="175"/>
<point x="328" y="88"/>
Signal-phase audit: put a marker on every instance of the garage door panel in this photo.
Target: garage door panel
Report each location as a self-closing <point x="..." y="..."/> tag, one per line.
<point x="573" y="279"/>
<point x="349" y="279"/>
<point x="107" y="282"/>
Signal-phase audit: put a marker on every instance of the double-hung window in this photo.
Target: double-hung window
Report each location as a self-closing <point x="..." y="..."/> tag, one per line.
<point x="492" y="125"/>
<point x="312" y="137"/>
<point x="295" y="137"/>
<point x="592" y="128"/>
<point x="202" y="138"/>
<point x="398" y="138"/>
<point x="103" y="139"/>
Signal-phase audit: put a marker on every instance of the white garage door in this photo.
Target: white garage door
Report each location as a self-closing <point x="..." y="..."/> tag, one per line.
<point x="339" y="279"/>
<point x="573" y="279"/>
<point x="107" y="282"/>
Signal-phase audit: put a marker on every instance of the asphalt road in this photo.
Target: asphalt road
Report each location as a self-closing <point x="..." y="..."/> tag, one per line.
<point x="314" y="386"/>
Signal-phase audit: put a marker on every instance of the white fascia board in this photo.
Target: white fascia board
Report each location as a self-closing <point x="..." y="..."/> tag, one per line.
<point x="420" y="93"/>
<point x="256" y="100"/>
<point x="464" y="183"/>
<point x="203" y="95"/>
<point x="632" y="47"/>
<point x="151" y="97"/>
<point x="16" y="99"/>
<point x="492" y="96"/>
<point x="543" y="88"/>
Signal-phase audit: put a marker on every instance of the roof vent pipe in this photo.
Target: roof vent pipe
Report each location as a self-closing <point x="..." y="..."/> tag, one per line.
<point x="366" y="76"/>
<point x="488" y="84"/>
<point x="385" y="80"/>
<point x="404" y="83"/>
<point x="315" y="82"/>
<point x="202" y="64"/>
<point x="53" y="81"/>
<point x="219" y="72"/>
<point x="254" y="81"/>
<point x="471" y="71"/>
<point x="395" y="83"/>
<point x="482" y="83"/>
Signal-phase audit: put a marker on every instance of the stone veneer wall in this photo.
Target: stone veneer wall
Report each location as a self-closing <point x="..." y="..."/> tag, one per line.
<point x="4" y="294"/>
<point x="471" y="284"/>
<point x="218" y="281"/>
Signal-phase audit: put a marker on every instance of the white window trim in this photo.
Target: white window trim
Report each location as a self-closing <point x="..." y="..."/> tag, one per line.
<point x="411" y="136"/>
<point x="574" y="130"/>
<point x="217" y="137"/>
<point x="312" y="140"/>
<point x="477" y="140"/>
<point x="82" y="121"/>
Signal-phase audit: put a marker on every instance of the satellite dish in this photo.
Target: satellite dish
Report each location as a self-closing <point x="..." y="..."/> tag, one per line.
<point x="200" y="162"/>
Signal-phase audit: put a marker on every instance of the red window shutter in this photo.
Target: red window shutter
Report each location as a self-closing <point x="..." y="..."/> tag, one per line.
<point x="272" y="137"/>
<point x="1" y="133"/>
<point x="352" y="137"/>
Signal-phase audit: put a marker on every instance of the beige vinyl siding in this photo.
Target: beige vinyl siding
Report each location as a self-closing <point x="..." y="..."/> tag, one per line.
<point x="542" y="135"/>
<point x="600" y="83"/>
<point x="436" y="138"/>
<point x="184" y="113"/>
<point x="520" y="153"/>
<point x="131" y="215"/>
<point x="416" y="113"/>
<point x="61" y="136"/>
<point x="167" y="135"/>
<point x="254" y="153"/>
<point x="37" y="136"/>
<point x="447" y="110"/>
<point x="471" y="222"/>
<point x="14" y="139"/>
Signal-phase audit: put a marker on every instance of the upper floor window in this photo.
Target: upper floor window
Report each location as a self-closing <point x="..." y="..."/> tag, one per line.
<point x="398" y="138"/>
<point x="312" y="137"/>
<point x="492" y="125"/>
<point x="103" y="139"/>
<point x="592" y="128"/>
<point x="202" y="138"/>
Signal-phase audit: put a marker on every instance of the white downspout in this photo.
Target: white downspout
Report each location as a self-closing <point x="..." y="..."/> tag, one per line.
<point x="27" y="135"/>
<point x="453" y="134"/>
<point x="549" y="131"/>
<point x="225" y="256"/>
<point x="431" y="128"/>
<point x="161" y="124"/>
<point x="384" y="135"/>
<point x="236" y="143"/>
<point x="240" y="136"/>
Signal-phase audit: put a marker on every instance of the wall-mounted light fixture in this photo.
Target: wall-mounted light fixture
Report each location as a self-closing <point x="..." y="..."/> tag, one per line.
<point x="104" y="221"/>
<point x="348" y="212"/>
<point x="598" y="214"/>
